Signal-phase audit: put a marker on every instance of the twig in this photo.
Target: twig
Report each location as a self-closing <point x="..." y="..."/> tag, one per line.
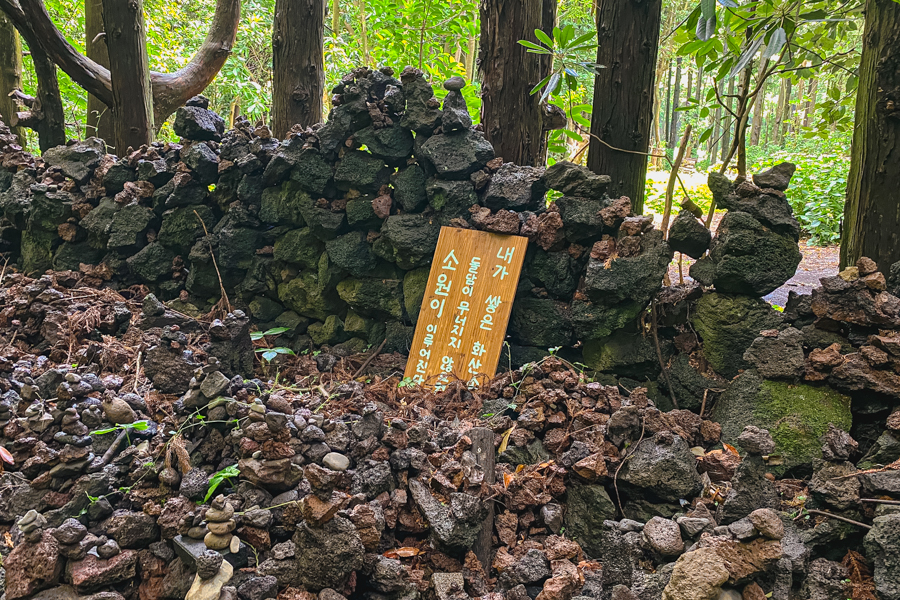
<point x="662" y="365"/>
<point x="673" y="175"/>
<point x="111" y="452"/>
<point x="368" y="360"/>
<point x="212" y="255"/>
<point x="880" y="501"/>
<point x="621" y="464"/>
<point x="812" y="511"/>
<point x="703" y="405"/>
<point x="137" y="373"/>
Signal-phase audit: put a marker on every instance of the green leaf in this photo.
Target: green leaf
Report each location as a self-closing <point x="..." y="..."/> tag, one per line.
<point x="746" y="57"/>
<point x="277" y="330"/>
<point x="728" y="3"/>
<point x="706" y="28"/>
<point x="103" y="431"/>
<point x="140" y="425"/>
<point x="540" y="85"/>
<point x="269" y="355"/>
<point x="543" y="37"/>
<point x="708" y="9"/>
<point x="256" y="335"/>
<point x="532" y="46"/>
<point x="582" y="39"/>
<point x="218" y="478"/>
<point x="776" y="43"/>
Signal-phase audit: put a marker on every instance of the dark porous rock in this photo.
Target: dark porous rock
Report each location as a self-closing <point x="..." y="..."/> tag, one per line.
<point x="629" y="279"/>
<point x="386" y="575"/>
<point x="230" y="343"/>
<point x="835" y="484"/>
<point x="746" y="257"/>
<point x="529" y="454"/>
<point x="77" y="160"/>
<point x="457" y="155"/>
<point x="208" y="563"/>
<point x="370" y="297"/>
<point x="351" y="253"/>
<point x="575" y="180"/>
<point x="796" y="415"/>
<point x="756" y="441"/>
<point x="393" y="144"/>
<point x="423" y="112"/>
<point x="258" y="588"/>
<point x="408" y="240"/>
<point x="451" y="199"/>
<point x="70" y="532"/>
<point x="361" y="171"/>
<point x="455" y="115"/>
<point x="826" y="579"/>
<point x="837" y="444"/>
<point x="663" y="466"/>
<point x="750" y="490"/>
<point x="664" y="536"/>
<point x="540" y="322"/>
<point x="626" y="354"/>
<point x="689" y="236"/>
<point x="92" y="572"/>
<point x="556" y="272"/>
<point x="198" y="124"/>
<point x="688" y="383"/>
<point x="589" y="505"/>
<point x="203" y="161"/>
<point x="169" y="369"/>
<point x="882" y="545"/>
<point x="152" y="263"/>
<point x="372" y="479"/>
<point x="326" y="556"/>
<point x="777" y="178"/>
<point x="409" y="188"/>
<point x="312" y="172"/>
<point x="194" y="484"/>
<point x="728" y="325"/>
<point x="581" y="218"/>
<point x="132" y="529"/>
<point x="516" y="188"/>
<point x="532" y="568"/>
<point x="453" y="527"/>
<point x="778" y="356"/>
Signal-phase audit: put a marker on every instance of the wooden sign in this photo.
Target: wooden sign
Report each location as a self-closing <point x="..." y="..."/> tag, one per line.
<point x="466" y="308"/>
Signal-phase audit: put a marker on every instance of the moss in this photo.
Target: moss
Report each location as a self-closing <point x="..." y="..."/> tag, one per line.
<point x="798" y="415"/>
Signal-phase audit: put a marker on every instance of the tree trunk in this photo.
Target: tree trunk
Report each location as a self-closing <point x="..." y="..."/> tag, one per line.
<point x="717" y="128"/>
<point x="628" y="38"/>
<point x="99" y="118"/>
<point x="363" y="32"/>
<point x="785" y="124"/>
<point x="759" y="106"/>
<point x="726" y="134"/>
<point x="130" y="73"/>
<point x="676" y="100"/>
<point x="471" y="48"/>
<point x="10" y="73"/>
<point x="51" y="124"/>
<point x="335" y="17"/>
<point x="811" y="103"/>
<point x="298" y="64"/>
<point x="872" y="211"/>
<point x="512" y="117"/>
<point x="668" y="123"/>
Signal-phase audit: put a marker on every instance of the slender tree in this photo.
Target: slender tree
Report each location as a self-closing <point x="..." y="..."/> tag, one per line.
<point x="10" y="73"/>
<point x="512" y="117"/>
<point x="129" y="67"/>
<point x="810" y="102"/>
<point x="628" y="41"/>
<point x="676" y="102"/>
<point x="99" y="118"/>
<point x="871" y="214"/>
<point x="298" y="64"/>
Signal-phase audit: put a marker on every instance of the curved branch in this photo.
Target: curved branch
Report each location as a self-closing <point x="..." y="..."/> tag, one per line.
<point x="170" y="90"/>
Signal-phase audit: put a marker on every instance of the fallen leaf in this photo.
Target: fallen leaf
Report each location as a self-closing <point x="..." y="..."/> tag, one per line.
<point x="505" y="441"/>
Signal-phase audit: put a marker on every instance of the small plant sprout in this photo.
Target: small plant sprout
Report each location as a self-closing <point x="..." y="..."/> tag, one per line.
<point x="224" y="475"/>
<point x="126" y="427"/>
<point x="269" y="354"/>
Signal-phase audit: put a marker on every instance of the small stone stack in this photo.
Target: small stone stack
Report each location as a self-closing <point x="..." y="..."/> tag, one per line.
<point x="220" y="524"/>
<point x="32" y="525"/>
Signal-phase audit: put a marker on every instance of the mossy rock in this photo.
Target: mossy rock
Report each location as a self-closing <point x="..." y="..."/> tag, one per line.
<point x="351" y="253"/>
<point x="357" y="325"/>
<point x="37" y="250"/>
<point x="796" y="415"/>
<point x="264" y="309"/>
<point x="626" y="354"/>
<point x="237" y="247"/>
<point x="312" y="172"/>
<point x="556" y="272"/>
<point x="282" y="205"/>
<point x="414" y="284"/>
<point x="451" y="199"/>
<point x="70" y="256"/>
<point x="306" y="296"/>
<point x="299" y="247"/>
<point x="728" y="324"/>
<point x="97" y="222"/>
<point x="181" y="227"/>
<point x="377" y="298"/>
<point x="361" y="215"/>
<point x="152" y="263"/>
<point x="407" y="240"/>
<point x="361" y="171"/>
<point x="588" y="506"/>
<point x="409" y="188"/>
<point x="595" y="321"/>
<point x="540" y="322"/>
<point x="128" y="230"/>
<point x="329" y="332"/>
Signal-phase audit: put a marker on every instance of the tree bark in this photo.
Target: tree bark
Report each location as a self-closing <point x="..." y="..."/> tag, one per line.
<point x="717" y="129"/>
<point x="872" y="211"/>
<point x="363" y="32"/>
<point x="628" y="38"/>
<point x="759" y="106"/>
<point x="726" y="133"/>
<point x="132" y="105"/>
<point x="51" y="122"/>
<point x="10" y="74"/>
<point x="335" y="17"/>
<point x="668" y="123"/>
<point x="512" y="117"/>
<point x="99" y="117"/>
<point x="471" y="47"/>
<point x="170" y="90"/>
<point x="298" y="64"/>
<point x="811" y="102"/>
<point x="676" y="103"/>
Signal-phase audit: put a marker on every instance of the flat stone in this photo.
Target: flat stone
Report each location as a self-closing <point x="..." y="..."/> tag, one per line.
<point x="445" y="582"/>
<point x="336" y="461"/>
<point x="210" y="589"/>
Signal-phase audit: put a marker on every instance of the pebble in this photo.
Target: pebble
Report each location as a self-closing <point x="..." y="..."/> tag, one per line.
<point x="217" y="542"/>
<point x="336" y="461"/>
<point x="208" y="563"/>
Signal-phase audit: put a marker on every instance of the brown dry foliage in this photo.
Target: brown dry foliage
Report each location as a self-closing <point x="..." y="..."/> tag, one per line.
<point x="862" y="586"/>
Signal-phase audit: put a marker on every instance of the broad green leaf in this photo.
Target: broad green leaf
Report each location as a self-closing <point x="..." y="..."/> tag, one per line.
<point x="543" y="37"/>
<point x="103" y="431"/>
<point x="746" y="57"/>
<point x="708" y="9"/>
<point x="776" y="43"/>
<point x="706" y="28"/>
<point x="140" y="425"/>
<point x="270" y="355"/>
<point x="728" y="3"/>
<point x="277" y="330"/>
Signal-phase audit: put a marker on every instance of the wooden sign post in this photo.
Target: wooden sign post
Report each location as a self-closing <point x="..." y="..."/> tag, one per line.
<point x="466" y="308"/>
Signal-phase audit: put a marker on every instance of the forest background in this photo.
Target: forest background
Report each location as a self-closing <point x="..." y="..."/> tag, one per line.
<point x="804" y="111"/>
